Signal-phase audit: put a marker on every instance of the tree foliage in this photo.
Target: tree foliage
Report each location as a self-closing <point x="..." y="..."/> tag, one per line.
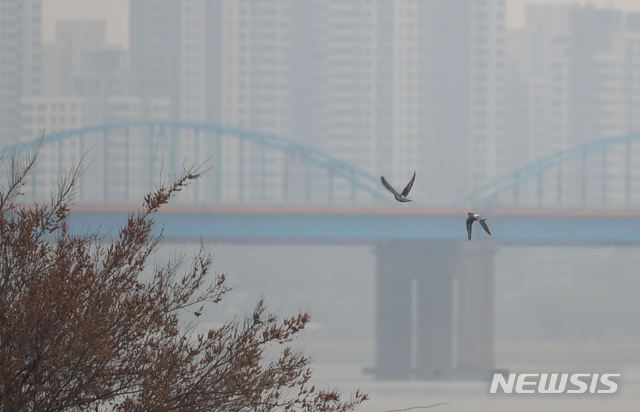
<point x="81" y="327"/>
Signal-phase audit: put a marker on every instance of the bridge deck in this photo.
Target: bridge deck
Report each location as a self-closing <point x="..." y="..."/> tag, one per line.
<point x="373" y="225"/>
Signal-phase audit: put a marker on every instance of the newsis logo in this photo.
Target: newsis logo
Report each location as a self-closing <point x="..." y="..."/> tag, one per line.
<point x="554" y="383"/>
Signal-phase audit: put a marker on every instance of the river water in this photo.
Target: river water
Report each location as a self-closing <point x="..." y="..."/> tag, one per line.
<point x="336" y="284"/>
<point x="474" y="395"/>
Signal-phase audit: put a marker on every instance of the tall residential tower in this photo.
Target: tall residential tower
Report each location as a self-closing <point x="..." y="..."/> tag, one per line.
<point x="20" y="61"/>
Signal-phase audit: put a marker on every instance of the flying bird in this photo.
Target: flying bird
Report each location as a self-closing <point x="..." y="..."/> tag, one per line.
<point x="472" y="218"/>
<point x="400" y="197"/>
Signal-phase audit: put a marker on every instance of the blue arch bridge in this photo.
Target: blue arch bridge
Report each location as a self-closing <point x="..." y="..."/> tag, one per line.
<point x="433" y="287"/>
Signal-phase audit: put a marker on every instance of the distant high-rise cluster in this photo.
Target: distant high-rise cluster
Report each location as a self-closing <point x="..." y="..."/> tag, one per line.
<point x="574" y="76"/>
<point x="443" y="88"/>
<point x="20" y="60"/>
<point x="391" y="87"/>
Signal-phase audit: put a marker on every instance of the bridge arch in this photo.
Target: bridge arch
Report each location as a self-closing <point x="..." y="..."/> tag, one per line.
<point x="599" y="174"/>
<point x="250" y="167"/>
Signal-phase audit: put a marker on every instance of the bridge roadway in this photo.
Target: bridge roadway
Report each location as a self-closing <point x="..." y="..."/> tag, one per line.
<point x="433" y="287"/>
<point x="376" y="225"/>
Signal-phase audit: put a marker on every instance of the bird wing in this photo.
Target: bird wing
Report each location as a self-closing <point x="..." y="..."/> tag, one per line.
<point x="388" y="186"/>
<point x="484" y="225"/>
<point x="407" y="189"/>
<point x="469" y="224"/>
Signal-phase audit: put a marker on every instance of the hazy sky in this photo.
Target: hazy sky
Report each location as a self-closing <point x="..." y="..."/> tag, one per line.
<point x="116" y="13"/>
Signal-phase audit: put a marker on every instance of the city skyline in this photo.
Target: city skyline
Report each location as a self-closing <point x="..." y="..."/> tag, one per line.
<point x="116" y="14"/>
<point x="389" y="87"/>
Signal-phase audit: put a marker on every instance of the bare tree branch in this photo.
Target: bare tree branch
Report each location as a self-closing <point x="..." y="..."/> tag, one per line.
<point x="80" y="328"/>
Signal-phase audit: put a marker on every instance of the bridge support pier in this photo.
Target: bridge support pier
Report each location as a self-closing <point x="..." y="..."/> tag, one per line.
<point x="475" y="316"/>
<point x="420" y="285"/>
<point x="393" y="313"/>
<point x="434" y="315"/>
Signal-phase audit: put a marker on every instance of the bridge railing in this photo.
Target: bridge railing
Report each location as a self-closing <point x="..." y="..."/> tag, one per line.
<point x="601" y="174"/>
<point x="125" y="161"/>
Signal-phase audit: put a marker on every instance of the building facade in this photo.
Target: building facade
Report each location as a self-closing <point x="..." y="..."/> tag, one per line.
<point x="20" y="61"/>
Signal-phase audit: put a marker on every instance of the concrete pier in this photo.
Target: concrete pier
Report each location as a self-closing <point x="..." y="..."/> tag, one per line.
<point x="415" y="329"/>
<point x="434" y="323"/>
<point x="393" y="313"/>
<point x="475" y="312"/>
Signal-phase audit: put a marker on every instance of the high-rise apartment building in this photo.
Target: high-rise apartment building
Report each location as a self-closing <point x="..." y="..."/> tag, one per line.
<point x="20" y="60"/>
<point x="591" y="30"/>
<point x="80" y="70"/>
<point x="538" y="92"/>
<point x="449" y="94"/>
<point x="50" y="114"/>
<point x="168" y="41"/>
<point x="255" y="65"/>
<point x="154" y="41"/>
<point x="617" y="72"/>
<point x="618" y="86"/>
<point x="73" y="39"/>
<point x="349" y="99"/>
<point x="193" y="41"/>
